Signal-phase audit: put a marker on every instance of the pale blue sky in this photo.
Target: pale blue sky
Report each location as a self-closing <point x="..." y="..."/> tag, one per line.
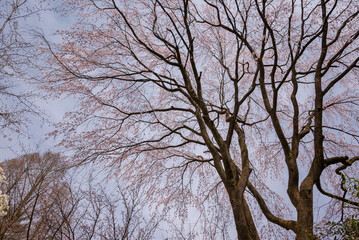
<point x="34" y="134"/>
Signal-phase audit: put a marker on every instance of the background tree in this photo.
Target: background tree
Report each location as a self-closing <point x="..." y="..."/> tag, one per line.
<point x="30" y="179"/>
<point x="49" y="201"/>
<point x="211" y="100"/>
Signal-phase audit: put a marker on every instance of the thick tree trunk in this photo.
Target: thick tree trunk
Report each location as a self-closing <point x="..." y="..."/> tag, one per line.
<point x="305" y="215"/>
<point x="245" y="226"/>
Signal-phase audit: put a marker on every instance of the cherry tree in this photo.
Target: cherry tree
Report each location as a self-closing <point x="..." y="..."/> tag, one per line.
<point x="216" y="104"/>
<point x="3" y="197"/>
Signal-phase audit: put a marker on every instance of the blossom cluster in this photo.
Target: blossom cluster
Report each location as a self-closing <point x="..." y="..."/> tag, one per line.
<point x="4" y="206"/>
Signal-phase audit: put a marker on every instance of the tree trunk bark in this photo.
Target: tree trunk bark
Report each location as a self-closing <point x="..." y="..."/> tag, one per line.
<point x="245" y="226"/>
<point x="305" y="215"/>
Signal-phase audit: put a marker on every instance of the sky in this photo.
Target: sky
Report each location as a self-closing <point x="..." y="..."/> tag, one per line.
<point x="36" y="126"/>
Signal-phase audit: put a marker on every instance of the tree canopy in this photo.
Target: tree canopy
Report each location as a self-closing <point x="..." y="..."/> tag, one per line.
<point x="245" y="106"/>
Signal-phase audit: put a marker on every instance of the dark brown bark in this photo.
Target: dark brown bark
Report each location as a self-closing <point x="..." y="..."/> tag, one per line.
<point x="305" y="214"/>
<point x="245" y="226"/>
